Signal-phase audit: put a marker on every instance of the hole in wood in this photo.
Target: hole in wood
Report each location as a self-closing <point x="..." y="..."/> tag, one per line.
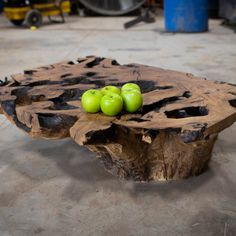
<point x="29" y="72"/>
<point x="232" y="103"/>
<point x="103" y="136"/>
<point x="66" y="75"/>
<point x="43" y="82"/>
<point x="191" y="136"/>
<point x="90" y="74"/>
<point x="100" y="77"/>
<point x="80" y="60"/>
<point x="187" y="94"/>
<point x="187" y="112"/>
<point x="164" y="87"/>
<point x="200" y="126"/>
<point x="68" y="95"/>
<point x="145" y="85"/>
<point x="52" y="121"/>
<point x="157" y="105"/>
<point x="62" y="106"/>
<point x="22" y="97"/>
<point x="73" y="62"/>
<point x="95" y="62"/>
<point x="138" y="120"/>
<point x="4" y="82"/>
<point x="10" y="109"/>
<point x="76" y="80"/>
<point x="38" y="98"/>
<point x="115" y="63"/>
<point x="84" y="80"/>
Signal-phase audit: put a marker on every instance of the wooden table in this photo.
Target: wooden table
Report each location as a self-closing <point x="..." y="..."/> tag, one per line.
<point x="171" y="138"/>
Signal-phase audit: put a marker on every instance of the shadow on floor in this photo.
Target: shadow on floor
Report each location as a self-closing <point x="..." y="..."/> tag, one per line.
<point x="89" y="176"/>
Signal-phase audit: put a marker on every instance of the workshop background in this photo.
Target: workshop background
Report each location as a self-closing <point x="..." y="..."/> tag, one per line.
<point x="59" y="188"/>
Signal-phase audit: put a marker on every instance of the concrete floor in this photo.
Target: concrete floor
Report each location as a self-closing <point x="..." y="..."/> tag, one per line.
<point x="58" y="188"/>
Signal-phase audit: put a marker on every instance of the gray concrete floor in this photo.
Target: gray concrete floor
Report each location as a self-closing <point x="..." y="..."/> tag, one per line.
<point x="58" y="188"/>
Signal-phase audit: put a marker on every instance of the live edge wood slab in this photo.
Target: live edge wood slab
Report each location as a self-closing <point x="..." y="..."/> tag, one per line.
<point x="170" y="138"/>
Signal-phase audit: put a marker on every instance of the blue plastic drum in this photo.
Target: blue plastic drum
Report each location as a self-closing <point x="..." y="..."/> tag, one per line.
<point x="186" y="15"/>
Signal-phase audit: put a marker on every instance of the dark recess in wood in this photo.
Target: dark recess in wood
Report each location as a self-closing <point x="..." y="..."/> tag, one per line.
<point x="171" y="137"/>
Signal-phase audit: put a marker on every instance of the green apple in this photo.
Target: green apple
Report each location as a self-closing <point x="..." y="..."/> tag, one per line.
<point x="111" y="104"/>
<point x="110" y="89"/>
<point x="133" y="100"/>
<point x="130" y="86"/>
<point x="91" y="100"/>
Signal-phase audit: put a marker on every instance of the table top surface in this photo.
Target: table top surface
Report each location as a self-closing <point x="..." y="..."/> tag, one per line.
<point x="45" y="102"/>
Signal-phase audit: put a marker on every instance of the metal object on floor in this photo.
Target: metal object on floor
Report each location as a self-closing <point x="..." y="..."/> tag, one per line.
<point x="31" y="12"/>
<point x="112" y="7"/>
<point x="147" y="16"/>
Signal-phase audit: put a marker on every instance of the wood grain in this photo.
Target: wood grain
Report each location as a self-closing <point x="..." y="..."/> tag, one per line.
<point x="170" y="138"/>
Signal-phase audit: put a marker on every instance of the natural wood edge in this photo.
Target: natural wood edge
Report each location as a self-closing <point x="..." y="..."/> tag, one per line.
<point x="164" y="156"/>
<point x="171" y="137"/>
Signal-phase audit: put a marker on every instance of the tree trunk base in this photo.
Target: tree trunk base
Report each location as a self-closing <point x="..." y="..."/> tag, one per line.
<point x="158" y="157"/>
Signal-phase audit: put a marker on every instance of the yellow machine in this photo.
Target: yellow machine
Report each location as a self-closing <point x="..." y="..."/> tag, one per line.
<point x="32" y="11"/>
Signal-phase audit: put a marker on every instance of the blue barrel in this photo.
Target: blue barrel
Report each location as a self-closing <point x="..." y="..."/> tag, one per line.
<point x="186" y="15"/>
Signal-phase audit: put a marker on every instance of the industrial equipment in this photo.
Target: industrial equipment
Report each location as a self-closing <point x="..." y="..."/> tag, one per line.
<point x="32" y="11"/>
<point x="112" y="7"/>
